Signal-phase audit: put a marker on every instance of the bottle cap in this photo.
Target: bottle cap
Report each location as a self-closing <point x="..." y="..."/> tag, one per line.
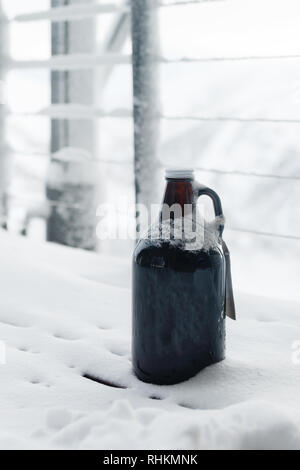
<point x="180" y="173"/>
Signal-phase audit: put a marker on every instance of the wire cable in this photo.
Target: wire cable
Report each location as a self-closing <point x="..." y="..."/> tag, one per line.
<point x="265" y="234"/>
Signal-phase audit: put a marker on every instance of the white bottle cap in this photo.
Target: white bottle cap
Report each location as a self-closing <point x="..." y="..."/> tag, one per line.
<point x="180" y="173"/>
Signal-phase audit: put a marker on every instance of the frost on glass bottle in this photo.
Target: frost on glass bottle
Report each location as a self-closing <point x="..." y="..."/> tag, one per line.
<point x="179" y="287"/>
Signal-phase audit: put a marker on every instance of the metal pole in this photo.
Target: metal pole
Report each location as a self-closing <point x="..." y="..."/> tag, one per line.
<point x="59" y="80"/>
<point x="146" y="103"/>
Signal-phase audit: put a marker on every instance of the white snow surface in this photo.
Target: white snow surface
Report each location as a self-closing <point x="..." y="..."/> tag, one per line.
<point x="66" y="313"/>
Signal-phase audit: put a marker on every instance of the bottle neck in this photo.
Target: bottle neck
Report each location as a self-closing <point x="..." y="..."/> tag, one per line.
<point x="181" y="192"/>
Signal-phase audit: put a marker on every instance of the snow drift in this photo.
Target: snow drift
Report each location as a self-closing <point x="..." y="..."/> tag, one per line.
<point x="65" y="319"/>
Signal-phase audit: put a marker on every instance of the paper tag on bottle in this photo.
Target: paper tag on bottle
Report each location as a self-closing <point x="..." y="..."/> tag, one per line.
<point x="229" y="301"/>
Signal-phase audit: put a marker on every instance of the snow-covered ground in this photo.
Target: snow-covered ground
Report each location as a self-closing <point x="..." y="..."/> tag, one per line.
<point x="65" y="314"/>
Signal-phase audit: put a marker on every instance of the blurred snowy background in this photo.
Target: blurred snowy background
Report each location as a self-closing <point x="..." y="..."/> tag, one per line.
<point x="229" y="89"/>
<point x="249" y="89"/>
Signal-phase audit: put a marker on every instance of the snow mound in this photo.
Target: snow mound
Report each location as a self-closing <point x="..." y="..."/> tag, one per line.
<point x="68" y="384"/>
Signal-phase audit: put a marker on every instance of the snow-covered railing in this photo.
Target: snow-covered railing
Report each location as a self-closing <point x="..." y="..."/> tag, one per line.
<point x="109" y="161"/>
<point x="75" y="112"/>
<point x="90" y="61"/>
<point x="72" y="12"/>
<point x="83" y="112"/>
<point x="79" y="12"/>
<point x="248" y="174"/>
<point x="59" y="204"/>
<point x="193" y="60"/>
<point x="71" y="62"/>
<point x="264" y="234"/>
<point x="122" y="162"/>
<point x="178" y="3"/>
<point x="71" y="112"/>
<point x="260" y="120"/>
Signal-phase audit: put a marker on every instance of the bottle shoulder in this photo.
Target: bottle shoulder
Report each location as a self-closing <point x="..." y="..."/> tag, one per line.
<point x="161" y="253"/>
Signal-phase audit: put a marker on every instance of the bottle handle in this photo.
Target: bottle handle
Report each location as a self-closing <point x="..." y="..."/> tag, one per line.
<point x="201" y="190"/>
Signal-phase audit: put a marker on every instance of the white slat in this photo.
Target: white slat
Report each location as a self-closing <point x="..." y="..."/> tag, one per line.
<point x="186" y="2"/>
<point x="71" y="62"/>
<point x="77" y="112"/>
<point x="79" y="12"/>
<point x="72" y="12"/>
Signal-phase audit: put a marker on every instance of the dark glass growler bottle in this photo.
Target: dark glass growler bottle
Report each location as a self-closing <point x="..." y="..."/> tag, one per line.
<point x="178" y="295"/>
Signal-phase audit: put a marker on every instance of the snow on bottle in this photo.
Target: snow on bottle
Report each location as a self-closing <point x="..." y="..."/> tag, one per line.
<point x="71" y="192"/>
<point x="180" y="287"/>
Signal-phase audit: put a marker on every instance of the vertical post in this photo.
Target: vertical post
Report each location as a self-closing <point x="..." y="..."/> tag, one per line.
<point x="59" y="80"/>
<point x="72" y="185"/>
<point x="81" y="84"/>
<point x="72" y="214"/>
<point x="3" y="149"/>
<point x="73" y="86"/>
<point x="145" y="48"/>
